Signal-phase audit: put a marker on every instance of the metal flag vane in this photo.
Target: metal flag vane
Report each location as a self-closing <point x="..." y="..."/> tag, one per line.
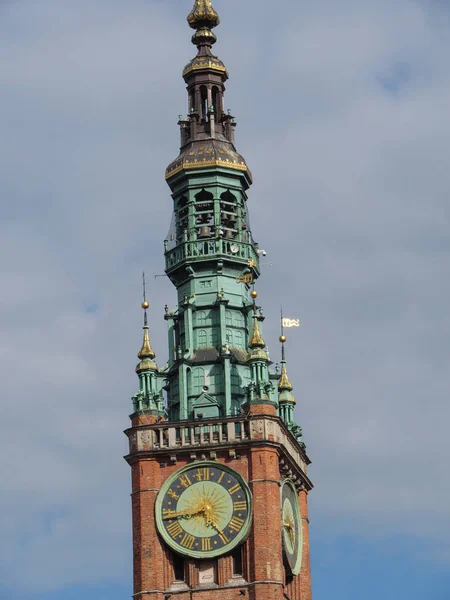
<point x="287" y="323"/>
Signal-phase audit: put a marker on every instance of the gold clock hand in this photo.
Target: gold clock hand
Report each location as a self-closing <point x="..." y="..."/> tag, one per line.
<point x="214" y="523"/>
<point x="181" y="513"/>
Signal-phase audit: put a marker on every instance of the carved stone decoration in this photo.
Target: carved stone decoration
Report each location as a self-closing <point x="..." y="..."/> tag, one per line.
<point x="133" y="442"/>
<point x="145" y="439"/>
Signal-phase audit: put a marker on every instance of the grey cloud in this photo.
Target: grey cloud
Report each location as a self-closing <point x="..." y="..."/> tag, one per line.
<point x="349" y="200"/>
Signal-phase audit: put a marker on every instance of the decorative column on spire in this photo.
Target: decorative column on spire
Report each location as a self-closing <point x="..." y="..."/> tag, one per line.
<point x="149" y="398"/>
<point x="286" y="399"/>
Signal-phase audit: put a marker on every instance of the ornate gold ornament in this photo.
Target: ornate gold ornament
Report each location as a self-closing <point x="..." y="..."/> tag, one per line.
<point x="203" y="15"/>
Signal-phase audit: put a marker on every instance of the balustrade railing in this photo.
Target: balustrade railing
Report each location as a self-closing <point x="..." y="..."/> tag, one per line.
<point x="178" y="435"/>
<point x="210" y="433"/>
<point x="209" y="247"/>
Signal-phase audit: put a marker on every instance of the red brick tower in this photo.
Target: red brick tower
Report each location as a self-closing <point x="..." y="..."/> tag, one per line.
<point x="219" y="468"/>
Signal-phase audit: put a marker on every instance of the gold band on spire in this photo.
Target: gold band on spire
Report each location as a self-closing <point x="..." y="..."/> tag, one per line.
<point x="203" y="15"/>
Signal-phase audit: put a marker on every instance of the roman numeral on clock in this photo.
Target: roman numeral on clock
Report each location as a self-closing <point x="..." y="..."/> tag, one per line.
<point x="174" y="529"/>
<point x="224" y="538"/>
<point x="206" y="544"/>
<point x="188" y="541"/>
<point x="235" y="524"/>
<point x="239" y="506"/>
<point x="234" y="489"/>
<point x="185" y="481"/>
<point x="202" y="474"/>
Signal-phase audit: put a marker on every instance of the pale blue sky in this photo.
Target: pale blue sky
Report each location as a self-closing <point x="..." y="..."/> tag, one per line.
<point x="342" y="112"/>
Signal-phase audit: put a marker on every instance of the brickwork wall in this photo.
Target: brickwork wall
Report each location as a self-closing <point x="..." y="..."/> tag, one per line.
<point x="262" y="554"/>
<point x="305" y="574"/>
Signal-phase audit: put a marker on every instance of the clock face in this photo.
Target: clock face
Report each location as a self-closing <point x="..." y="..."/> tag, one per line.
<point x="204" y="510"/>
<point x="291" y="524"/>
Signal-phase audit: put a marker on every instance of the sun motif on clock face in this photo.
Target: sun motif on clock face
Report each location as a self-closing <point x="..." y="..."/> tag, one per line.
<point x="291" y="526"/>
<point x="204" y="510"/>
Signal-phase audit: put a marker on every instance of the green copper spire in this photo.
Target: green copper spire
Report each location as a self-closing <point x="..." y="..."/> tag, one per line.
<point x="218" y="362"/>
<point x="149" y="397"/>
<point x="286" y="399"/>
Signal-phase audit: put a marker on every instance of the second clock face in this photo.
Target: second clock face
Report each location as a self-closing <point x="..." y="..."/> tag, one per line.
<point x="291" y="527"/>
<point x="204" y="510"/>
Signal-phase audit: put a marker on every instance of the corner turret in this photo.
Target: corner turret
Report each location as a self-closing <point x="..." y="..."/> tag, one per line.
<point x="148" y="400"/>
<point x="286" y="399"/>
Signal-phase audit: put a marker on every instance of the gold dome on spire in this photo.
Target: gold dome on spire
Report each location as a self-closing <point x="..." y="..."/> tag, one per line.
<point x="203" y="15"/>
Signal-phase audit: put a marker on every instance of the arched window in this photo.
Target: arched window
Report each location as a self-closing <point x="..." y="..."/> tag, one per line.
<point x="238" y="339"/>
<point x="181" y="217"/>
<point x="199" y="380"/>
<point x="238" y="319"/>
<point x="204" y="101"/>
<point x="217" y="102"/>
<point x="201" y="318"/>
<point x="229" y="337"/>
<point x="228" y="197"/>
<point x="204" y="214"/>
<point x="202" y="338"/>
<point x="228" y="318"/>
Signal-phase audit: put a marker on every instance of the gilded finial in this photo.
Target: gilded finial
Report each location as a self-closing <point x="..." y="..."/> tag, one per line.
<point x="203" y="15"/>
<point x="203" y="18"/>
<point x="146" y="351"/>
<point x="283" y="383"/>
<point x="256" y="340"/>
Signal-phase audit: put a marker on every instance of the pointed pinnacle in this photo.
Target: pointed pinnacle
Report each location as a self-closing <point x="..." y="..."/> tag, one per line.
<point x="257" y="339"/>
<point x="283" y="383"/>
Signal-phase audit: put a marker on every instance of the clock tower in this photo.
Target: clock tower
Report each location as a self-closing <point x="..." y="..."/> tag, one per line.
<point x="219" y="467"/>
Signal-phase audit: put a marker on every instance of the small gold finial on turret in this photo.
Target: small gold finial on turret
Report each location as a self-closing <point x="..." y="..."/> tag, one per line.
<point x="283" y="382"/>
<point x="257" y="339"/>
<point x="284" y="385"/>
<point x="146" y="351"/>
<point x="203" y="15"/>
